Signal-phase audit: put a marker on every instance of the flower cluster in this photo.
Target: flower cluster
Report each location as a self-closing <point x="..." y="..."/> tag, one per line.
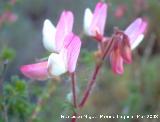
<point x="64" y="45"/>
<point x="124" y="41"/>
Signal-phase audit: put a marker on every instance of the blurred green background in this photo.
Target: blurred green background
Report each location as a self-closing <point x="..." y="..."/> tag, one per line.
<point x="137" y="91"/>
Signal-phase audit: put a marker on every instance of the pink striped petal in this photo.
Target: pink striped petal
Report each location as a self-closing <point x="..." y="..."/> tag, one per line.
<point x="135" y="31"/>
<point x="117" y="62"/>
<point x="143" y="27"/>
<point x="64" y="27"/>
<point x="36" y="71"/>
<point x="140" y="36"/>
<point x="73" y="45"/>
<point x="99" y="19"/>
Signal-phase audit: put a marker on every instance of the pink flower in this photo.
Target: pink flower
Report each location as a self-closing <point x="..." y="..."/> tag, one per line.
<point x="125" y="42"/>
<point x="94" y="23"/>
<point x="65" y="48"/>
<point x="57" y="64"/>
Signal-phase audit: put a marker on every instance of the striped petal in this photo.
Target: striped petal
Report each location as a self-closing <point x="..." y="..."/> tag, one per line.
<point x="64" y="27"/>
<point x="135" y="32"/>
<point x="73" y="45"/>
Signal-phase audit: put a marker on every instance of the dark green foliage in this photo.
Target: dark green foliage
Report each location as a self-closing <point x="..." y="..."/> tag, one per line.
<point x="15" y="101"/>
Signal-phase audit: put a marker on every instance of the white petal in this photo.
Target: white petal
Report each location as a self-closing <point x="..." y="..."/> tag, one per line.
<point x="87" y="20"/>
<point x="49" y="35"/>
<point x="57" y="63"/>
<point x="137" y="41"/>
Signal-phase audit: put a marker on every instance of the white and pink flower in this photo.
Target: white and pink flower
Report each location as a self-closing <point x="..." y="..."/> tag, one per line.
<point x="65" y="48"/>
<point x="94" y="23"/>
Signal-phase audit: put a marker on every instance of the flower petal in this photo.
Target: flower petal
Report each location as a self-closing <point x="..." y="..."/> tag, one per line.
<point x="99" y="19"/>
<point x="57" y="63"/>
<point x="36" y="71"/>
<point x="117" y="62"/>
<point x="49" y="35"/>
<point x="87" y="21"/>
<point x="136" y="29"/>
<point x="137" y="42"/>
<point x="126" y="54"/>
<point x="64" y="27"/>
<point x="133" y="29"/>
<point x="73" y="45"/>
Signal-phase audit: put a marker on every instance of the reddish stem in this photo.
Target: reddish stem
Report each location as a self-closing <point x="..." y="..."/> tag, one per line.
<point x="73" y="79"/>
<point x="74" y="89"/>
<point x="96" y="71"/>
<point x="89" y="86"/>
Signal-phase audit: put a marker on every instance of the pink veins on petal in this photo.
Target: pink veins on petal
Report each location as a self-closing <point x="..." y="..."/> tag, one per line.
<point x="72" y="44"/>
<point x="64" y="27"/>
<point x="73" y="50"/>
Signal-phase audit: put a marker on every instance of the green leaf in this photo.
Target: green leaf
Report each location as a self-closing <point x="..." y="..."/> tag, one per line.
<point x="7" y="54"/>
